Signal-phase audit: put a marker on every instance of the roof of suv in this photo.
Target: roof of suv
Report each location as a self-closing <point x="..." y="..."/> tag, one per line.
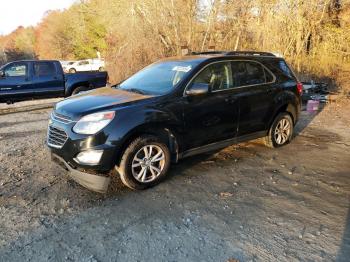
<point x="235" y="53"/>
<point x="202" y="56"/>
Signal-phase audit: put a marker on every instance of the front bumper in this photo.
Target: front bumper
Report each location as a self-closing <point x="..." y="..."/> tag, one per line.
<point x="71" y="150"/>
<point x="71" y="145"/>
<point x="93" y="182"/>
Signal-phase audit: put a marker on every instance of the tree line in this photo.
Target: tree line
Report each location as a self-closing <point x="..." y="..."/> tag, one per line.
<point x="313" y="35"/>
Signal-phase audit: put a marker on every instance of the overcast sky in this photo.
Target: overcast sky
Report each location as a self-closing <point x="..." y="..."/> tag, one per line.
<point x="14" y="13"/>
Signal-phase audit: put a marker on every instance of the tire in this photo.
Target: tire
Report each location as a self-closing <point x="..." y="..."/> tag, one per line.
<point x="131" y="170"/>
<point x="281" y="131"/>
<point x="79" y="89"/>
<point x="101" y="69"/>
<point x="72" y="70"/>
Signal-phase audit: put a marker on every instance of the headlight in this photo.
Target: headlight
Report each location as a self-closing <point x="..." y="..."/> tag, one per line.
<point x="91" y="124"/>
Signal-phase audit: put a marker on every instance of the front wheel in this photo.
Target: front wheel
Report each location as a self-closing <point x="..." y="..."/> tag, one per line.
<point x="281" y="131"/>
<point x="72" y="71"/>
<point x="144" y="163"/>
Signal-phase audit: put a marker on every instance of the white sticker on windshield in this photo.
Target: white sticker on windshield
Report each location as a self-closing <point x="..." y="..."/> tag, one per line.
<point x="182" y="68"/>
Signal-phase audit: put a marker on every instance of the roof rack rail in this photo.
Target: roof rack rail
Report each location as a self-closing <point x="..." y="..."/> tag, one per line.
<point x="238" y="53"/>
<point x="257" y="53"/>
<point x="209" y="53"/>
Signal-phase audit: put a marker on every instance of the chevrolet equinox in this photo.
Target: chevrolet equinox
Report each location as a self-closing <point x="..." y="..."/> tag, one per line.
<point x="174" y="108"/>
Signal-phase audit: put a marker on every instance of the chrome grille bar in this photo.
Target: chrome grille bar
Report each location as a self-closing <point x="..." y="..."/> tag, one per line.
<point x="56" y="137"/>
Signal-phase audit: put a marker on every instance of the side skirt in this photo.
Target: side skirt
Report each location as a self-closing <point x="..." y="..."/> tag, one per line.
<point x="221" y="144"/>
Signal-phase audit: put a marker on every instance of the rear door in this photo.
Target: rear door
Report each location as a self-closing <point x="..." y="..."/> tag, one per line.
<point x="212" y="117"/>
<point x="16" y="84"/>
<point x="255" y="84"/>
<point x="47" y="79"/>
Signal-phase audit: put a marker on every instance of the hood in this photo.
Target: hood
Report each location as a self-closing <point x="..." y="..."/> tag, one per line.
<point x="105" y="98"/>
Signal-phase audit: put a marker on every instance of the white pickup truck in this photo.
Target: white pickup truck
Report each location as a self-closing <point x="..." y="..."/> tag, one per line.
<point x="85" y="65"/>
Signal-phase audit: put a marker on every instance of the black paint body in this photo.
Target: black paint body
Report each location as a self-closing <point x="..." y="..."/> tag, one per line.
<point x="190" y="124"/>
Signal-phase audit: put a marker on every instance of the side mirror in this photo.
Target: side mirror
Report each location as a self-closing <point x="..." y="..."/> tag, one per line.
<point x="198" y="89"/>
<point x="2" y="73"/>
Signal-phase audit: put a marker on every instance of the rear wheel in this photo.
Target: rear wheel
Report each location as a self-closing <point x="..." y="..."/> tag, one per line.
<point x="281" y="131"/>
<point x="101" y="69"/>
<point x="144" y="163"/>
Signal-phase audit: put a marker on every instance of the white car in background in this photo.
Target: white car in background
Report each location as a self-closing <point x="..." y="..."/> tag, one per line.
<point x="66" y="64"/>
<point x="85" y="65"/>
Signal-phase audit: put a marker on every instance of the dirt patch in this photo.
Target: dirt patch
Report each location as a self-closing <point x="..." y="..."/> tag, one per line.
<point x="246" y="202"/>
<point x="27" y="106"/>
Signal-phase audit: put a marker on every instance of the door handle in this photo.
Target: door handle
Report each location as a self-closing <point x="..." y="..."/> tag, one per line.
<point x="19" y="86"/>
<point x="269" y="90"/>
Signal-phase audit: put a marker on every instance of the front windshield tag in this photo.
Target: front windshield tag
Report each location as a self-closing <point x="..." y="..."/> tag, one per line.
<point x="182" y="68"/>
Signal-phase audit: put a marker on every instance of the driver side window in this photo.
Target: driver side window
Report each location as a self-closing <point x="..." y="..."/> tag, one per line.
<point x="218" y="76"/>
<point x="18" y="69"/>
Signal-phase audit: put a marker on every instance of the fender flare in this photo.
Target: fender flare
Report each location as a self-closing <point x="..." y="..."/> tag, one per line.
<point x="70" y="89"/>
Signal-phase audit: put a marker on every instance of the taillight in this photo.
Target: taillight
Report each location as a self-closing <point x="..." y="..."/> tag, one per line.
<point x="300" y="88"/>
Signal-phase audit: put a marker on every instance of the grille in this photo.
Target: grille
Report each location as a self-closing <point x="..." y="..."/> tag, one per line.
<point x="56" y="137"/>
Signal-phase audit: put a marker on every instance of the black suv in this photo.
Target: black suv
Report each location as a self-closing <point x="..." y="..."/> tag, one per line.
<point x="172" y="109"/>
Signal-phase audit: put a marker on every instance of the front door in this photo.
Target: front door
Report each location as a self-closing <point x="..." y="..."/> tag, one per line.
<point x="211" y="117"/>
<point x="15" y="84"/>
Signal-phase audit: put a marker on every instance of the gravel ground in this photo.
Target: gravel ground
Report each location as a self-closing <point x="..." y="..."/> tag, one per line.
<point x="246" y="203"/>
<point x="19" y="105"/>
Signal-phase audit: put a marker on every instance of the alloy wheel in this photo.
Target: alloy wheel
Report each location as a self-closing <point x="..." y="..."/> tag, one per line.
<point x="282" y="131"/>
<point x="148" y="163"/>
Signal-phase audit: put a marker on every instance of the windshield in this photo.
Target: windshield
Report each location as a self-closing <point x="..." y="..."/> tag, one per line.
<point x="159" y="78"/>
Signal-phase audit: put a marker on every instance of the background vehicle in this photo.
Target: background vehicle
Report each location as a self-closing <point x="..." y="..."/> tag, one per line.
<point x="172" y="109"/>
<point x="65" y="64"/>
<point x="85" y="65"/>
<point x="23" y="80"/>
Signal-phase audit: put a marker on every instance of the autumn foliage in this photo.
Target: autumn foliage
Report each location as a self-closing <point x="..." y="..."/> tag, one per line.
<point x="313" y="35"/>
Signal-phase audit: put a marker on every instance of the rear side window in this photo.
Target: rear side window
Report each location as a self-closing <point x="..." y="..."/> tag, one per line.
<point x="255" y="73"/>
<point x="44" y="69"/>
<point x="285" y="69"/>
<point x="246" y="73"/>
<point x="281" y="69"/>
